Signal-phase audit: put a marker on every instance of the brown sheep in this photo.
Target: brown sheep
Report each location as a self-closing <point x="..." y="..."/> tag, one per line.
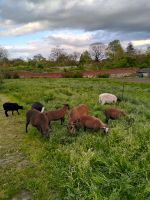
<point x="75" y="115"/>
<point x="38" y="120"/>
<point x="93" y="123"/>
<point x="114" y="113"/>
<point x="59" y="114"/>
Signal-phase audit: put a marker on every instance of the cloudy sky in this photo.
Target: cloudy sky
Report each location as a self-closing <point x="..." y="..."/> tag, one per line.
<point x="29" y="27"/>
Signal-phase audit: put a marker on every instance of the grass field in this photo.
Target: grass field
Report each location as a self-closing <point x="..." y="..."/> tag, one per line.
<point x="89" y="166"/>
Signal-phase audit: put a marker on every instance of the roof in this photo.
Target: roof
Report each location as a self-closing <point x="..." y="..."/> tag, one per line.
<point x="144" y="70"/>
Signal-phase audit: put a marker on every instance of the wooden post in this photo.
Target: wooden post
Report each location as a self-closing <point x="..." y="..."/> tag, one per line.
<point x="123" y="90"/>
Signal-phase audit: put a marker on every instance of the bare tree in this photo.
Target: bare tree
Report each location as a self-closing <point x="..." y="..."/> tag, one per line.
<point x="3" y="54"/>
<point x="56" y="53"/>
<point x="3" y="61"/>
<point x="97" y="51"/>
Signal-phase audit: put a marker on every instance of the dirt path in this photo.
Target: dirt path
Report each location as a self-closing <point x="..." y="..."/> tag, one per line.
<point x="9" y="151"/>
<point x="12" y="158"/>
<point x="119" y="72"/>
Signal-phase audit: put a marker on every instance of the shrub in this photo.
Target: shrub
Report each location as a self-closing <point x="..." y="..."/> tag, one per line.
<point x="1" y="80"/>
<point x="7" y="75"/>
<point x="15" y="75"/>
<point x="102" y="75"/>
<point x="40" y="65"/>
<point x="72" y="75"/>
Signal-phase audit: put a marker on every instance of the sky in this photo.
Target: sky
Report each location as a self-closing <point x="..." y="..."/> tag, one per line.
<point x="30" y="27"/>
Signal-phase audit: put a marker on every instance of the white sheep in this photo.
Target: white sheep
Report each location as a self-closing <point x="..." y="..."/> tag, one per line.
<point x="107" y="98"/>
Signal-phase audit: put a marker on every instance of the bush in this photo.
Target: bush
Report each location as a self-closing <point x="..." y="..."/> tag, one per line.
<point x="40" y="65"/>
<point x="7" y="75"/>
<point x="102" y="75"/>
<point x="1" y="80"/>
<point x="15" y="75"/>
<point x="72" y="75"/>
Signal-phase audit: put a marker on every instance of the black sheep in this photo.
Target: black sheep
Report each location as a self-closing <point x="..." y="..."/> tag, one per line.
<point x="11" y="107"/>
<point x="38" y="106"/>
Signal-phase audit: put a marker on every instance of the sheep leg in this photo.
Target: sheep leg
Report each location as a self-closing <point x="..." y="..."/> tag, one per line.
<point x="39" y="129"/>
<point x="27" y="123"/>
<point x="78" y="128"/>
<point x="62" y="120"/>
<point x="106" y="120"/>
<point x="18" y="112"/>
<point x="84" y="128"/>
<point x="12" y="112"/>
<point x="6" y="113"/>
<point x="49" y="123"/>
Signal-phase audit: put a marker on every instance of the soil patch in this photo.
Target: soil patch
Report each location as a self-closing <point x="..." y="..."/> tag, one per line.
<point x="90" y="73"/>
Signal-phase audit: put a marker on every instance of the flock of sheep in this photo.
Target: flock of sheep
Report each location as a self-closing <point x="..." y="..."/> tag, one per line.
<point x="78" y="117"/>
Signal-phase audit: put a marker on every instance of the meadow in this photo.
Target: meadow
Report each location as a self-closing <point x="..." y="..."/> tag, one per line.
<point x="82" y="167"/>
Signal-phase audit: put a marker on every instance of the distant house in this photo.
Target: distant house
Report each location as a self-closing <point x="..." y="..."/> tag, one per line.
<point x="144" y="72"/>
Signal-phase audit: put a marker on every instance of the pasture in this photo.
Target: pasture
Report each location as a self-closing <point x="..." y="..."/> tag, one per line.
<point x="84" y="167"/>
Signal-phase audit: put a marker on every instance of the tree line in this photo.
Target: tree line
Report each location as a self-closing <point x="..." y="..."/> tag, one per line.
<point x="100" y="55"/>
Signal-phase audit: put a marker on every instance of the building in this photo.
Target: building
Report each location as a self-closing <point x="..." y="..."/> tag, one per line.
<point x="144" y="72"/>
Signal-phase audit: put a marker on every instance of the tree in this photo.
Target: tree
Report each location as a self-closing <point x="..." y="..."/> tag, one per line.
<point x="147" y="56"/>
<point x="130" y="49"/>
<point x="57" y="53"/>
<point x="85" y="58"/>
<point x="148" y="50"/>
<point x="38" y="57"/>
<point x="3" y="54"/>
<point x="97" y="51"/>
<point x="115" y="50"/>
<point x="73" y="58"/>
<point x="3" y="62"/>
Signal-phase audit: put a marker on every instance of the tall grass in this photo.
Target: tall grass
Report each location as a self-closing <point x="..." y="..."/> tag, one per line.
<point x="89" y="165"/>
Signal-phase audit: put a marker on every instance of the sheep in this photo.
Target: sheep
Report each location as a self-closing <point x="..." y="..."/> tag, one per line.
<point x="114" y="113"/>
<point x="11" y="107"/>
<point x="59" y="114"/>
<point x="38" y="106"/>
<point x="107" y="98"/>
<point x="93" y="123"/>
<point x="38" y="120"/>
<point x="74" y="116"/>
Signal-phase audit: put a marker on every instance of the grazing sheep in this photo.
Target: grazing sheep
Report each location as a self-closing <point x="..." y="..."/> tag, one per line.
<point x="59" y="114"/>
<point x="114" y="113"/>
<point x="107" y="98"/>
<point x="38" y="106"/>
<point x="38" y="120"/>
<point x="74" y="116"/>
<point x="11" y="107"/>
<point x="93" y="123"/>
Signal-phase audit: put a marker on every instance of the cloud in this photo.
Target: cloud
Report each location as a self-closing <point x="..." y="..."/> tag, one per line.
<point x="141" y="42"/>
<point x="70" y="39"/>
<point x="70" y="42"/>
<point x="22" y="30"/>
<point x="72" y="24"/>
<point x="88" y="15"/>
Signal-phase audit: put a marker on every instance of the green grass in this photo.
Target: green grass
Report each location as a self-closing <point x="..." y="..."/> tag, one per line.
<point x="87" y="166"/>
